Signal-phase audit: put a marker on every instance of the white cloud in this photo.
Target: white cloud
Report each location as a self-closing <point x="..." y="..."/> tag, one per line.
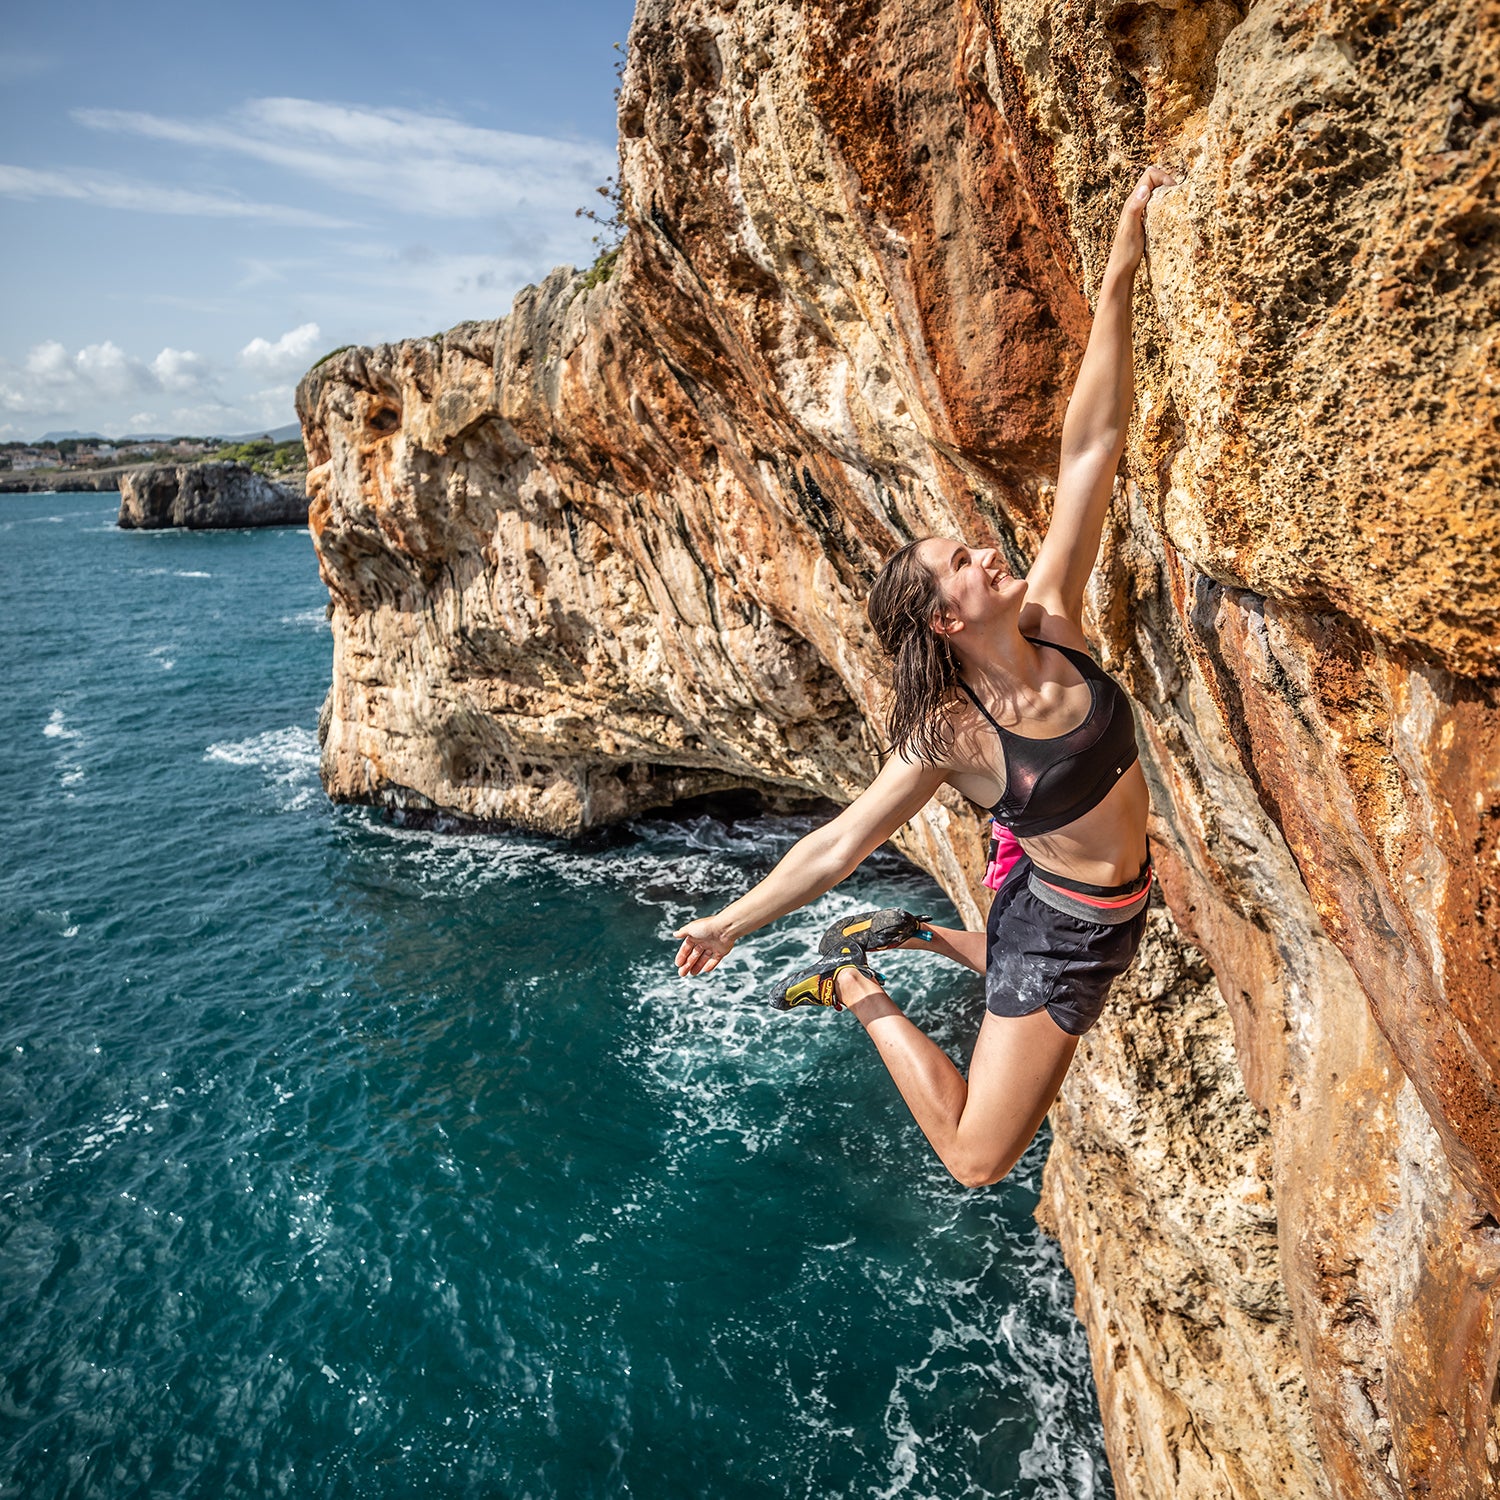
<point x="109" y="370"/>
<point x="415" y="163"/>
<point x="113" y="191"/>
<point x="53" y="380"/>
<point x="98" y="369"/>
<point x="180" y="370"/>
<point x="453" y="219"/>
<point x="49" y="362"/>
<point x="292" y="351"/>
<point x="101" y="387"/>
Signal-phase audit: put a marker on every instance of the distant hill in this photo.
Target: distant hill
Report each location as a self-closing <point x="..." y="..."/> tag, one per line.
<point x="288" y="434"/>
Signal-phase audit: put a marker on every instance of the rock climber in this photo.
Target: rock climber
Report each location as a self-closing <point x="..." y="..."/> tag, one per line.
<point x="993" y="692"/>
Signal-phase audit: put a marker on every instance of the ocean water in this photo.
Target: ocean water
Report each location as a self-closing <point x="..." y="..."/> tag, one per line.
<point x="344" y="1159"/>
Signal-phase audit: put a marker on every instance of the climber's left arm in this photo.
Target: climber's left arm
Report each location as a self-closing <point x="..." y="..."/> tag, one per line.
<point x="1098" y="417"/>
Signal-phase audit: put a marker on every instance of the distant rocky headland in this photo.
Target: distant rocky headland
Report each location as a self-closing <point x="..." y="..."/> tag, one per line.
<point x="206" y="497"/>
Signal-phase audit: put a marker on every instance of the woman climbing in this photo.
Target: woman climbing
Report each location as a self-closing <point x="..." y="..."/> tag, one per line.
<point x="994" y="693"/>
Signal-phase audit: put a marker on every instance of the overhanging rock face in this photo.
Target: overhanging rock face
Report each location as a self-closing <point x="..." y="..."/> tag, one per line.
<point x="611" y="552"/>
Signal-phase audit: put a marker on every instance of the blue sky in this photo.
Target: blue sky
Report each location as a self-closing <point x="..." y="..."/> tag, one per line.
<point x="196" y="201"/>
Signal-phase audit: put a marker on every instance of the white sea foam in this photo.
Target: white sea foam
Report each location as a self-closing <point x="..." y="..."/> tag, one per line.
<point x="159" y="655"/>
<point x="315" y="619"/>
<point x="284" y="753"/>
<point x="56" y="727"/>
<point x="287" y="758"/>
<point x="70" y="771"/>
<point x="191" y="573"/>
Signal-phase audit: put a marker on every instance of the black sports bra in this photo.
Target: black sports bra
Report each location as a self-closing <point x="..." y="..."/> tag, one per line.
<point x="1049" y="783"/>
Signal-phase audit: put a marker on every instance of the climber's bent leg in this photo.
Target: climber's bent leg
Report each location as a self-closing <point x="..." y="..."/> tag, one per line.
<point x="979" y="1125"/>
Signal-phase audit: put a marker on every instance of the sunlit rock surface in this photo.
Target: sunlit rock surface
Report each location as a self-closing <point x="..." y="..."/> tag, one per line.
<point x="611" y="552"/>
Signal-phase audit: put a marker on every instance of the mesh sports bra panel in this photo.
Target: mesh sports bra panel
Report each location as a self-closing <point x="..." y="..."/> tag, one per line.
<point x="1051" y="782"/>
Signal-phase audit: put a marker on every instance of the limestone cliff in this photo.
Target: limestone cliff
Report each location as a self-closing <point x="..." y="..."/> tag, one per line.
<point x="213" y="496"/>
<point x="611" y="551"/>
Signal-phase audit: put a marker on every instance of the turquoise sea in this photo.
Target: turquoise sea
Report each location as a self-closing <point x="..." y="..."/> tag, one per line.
<point x="339" y="1158"/>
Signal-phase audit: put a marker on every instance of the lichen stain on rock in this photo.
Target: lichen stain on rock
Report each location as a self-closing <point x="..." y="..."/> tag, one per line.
<point x="611" y="551"/>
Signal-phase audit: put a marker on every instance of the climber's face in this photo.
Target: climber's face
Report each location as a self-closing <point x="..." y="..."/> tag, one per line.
<point x="974" y="583"/>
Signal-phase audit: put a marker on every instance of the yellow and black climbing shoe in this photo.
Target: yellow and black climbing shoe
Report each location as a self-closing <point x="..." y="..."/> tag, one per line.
<point x="873" y="930"/>
<point x="815" y="986"/>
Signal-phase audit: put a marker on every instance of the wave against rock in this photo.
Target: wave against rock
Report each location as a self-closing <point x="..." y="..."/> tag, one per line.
<point x="206" y="496"/>
<point x="611" y="551"/>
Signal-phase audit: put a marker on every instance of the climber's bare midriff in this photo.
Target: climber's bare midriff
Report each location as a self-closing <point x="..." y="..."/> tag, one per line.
<point x="1106" y="846"/>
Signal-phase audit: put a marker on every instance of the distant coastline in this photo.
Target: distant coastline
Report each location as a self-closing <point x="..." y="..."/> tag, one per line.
<point x="28" y="469"/>
<point x="40" y="480"/>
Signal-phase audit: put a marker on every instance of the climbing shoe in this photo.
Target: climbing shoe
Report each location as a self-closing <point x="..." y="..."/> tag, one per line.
<point x="815" y="985"/>
<point x="873" y="930"/>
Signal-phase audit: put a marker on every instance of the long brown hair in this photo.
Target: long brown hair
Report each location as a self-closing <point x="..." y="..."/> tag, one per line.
<point x="904" y="600"/>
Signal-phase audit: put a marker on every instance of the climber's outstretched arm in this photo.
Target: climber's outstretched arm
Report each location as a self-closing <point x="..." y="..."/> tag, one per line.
<point x="1098" y="418"/>
<point x="815" y="863"/>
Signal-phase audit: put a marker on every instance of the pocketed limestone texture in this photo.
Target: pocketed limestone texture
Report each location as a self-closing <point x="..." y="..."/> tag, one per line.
<point x="611" y="552"/>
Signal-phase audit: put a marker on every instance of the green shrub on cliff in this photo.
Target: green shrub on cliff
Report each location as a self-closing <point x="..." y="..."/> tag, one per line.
<point x="601" y="270"/>
<point x="332" y="354"/>
<point x="262" y="455"/>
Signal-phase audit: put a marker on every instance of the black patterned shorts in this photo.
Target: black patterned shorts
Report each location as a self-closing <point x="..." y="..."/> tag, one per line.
<point x="1037" y="955"/>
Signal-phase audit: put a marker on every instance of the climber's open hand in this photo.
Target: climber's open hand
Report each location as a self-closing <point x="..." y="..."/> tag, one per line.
<point x="703" y="945"/>
<point x="1130" y="237"/>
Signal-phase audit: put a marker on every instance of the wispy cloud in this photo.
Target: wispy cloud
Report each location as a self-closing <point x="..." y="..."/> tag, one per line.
<point x="150" y="197"/>
<point x="417" y="163"/>
<point x="442" y="221"/>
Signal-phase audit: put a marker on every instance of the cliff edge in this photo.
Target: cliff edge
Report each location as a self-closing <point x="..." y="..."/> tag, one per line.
<point x="611" y="551"/>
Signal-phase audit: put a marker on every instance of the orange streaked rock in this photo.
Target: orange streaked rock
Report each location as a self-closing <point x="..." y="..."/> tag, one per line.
<point x="611" y="552"/>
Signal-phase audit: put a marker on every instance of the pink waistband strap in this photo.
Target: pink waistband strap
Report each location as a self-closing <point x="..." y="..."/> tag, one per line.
<point x="1104" y="903"/>
<point x="1006" y="857"/>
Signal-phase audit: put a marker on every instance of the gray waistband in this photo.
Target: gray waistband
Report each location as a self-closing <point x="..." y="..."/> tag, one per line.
<point x="1085" y="911"/>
